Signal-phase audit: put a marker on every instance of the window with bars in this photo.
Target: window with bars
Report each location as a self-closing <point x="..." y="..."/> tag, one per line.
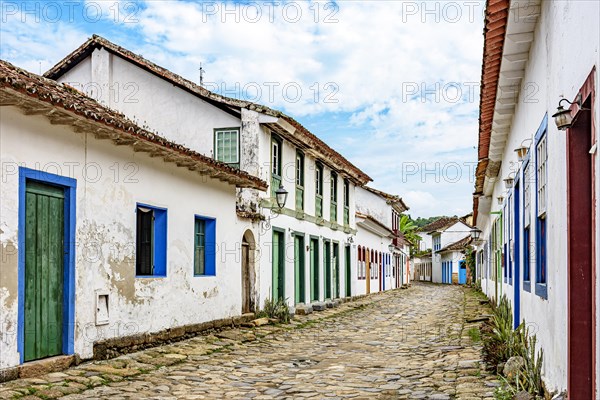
<point x="227" y="146"/>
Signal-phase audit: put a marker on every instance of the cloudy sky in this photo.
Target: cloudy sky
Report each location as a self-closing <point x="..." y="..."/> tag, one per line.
<point x="392" y="85"/>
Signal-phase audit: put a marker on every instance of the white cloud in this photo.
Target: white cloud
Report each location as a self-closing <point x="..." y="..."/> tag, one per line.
<point x="380" y="55"/>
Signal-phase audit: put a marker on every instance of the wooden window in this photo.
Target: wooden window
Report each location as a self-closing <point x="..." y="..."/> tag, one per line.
<point x="227" y="146"/>
<point x="299" y="181"/>
<point x="541" y="158"/>
<point x="151" y="241"/>
<point x="276" y="147"/>
<point x="319" y="190"/>
<point x="346" y="202"/>
<point x="333" y="198"/>
<point x="437" y="242"/>
<point x="204" y="246"/>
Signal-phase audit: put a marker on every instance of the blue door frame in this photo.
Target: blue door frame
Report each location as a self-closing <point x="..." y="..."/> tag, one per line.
<point x="462" y="272"/>
<point x="517" y="256"/>
<point x="69" y="185"/>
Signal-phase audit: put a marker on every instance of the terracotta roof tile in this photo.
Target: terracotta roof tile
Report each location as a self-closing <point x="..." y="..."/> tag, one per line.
<point x="496" y="19"/>
<point x="310" y="139"/>
<point x="67" y="106"/>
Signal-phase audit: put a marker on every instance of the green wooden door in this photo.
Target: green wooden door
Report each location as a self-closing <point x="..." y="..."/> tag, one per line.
<point x="336" y="270"/>
<point x="314" y="269"/>
<point x="299" y="276"/>
<point x="348" y="272"/>
<point x="278" y="266"/>
<point x="327" y="268"/>
<point x="44" y="255"/>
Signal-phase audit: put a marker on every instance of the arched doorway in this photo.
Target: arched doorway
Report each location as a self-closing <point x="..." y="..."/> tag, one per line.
<point x="248" y="272"/>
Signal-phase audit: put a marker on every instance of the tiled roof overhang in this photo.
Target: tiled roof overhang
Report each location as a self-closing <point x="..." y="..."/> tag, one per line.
<point x="459" y="245"/>
<point x="509" y="32"/>
<point x="228" y="104"/>
<point x="62" y="105"/>
<point x="396" y="201"/>
<point x="496" y="19"/>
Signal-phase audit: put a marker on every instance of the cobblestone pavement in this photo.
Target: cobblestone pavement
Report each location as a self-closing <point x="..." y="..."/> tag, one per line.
<point x="406" y="344"/>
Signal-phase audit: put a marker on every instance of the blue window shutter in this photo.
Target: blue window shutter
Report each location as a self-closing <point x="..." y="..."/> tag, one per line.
<point x="160" y="242"/>
<point x="211" y="246"/>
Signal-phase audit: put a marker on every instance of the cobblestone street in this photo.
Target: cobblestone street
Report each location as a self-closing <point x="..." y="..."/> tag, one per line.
<point x="413" y="344"/>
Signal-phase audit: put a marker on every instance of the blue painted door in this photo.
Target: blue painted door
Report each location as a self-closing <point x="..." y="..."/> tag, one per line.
<point x="462" y="272"/>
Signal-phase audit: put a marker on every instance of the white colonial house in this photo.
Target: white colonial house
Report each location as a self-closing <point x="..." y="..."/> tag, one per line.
<point x="297" y="251"/>
<point x="382" y="252"/>
<point x="450" y="238"/>
<point x="105" y="227"/>
<point x="537" y="181"/>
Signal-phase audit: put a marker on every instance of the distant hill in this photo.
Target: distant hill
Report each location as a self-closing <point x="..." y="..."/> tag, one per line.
<point x="424" y="221"/>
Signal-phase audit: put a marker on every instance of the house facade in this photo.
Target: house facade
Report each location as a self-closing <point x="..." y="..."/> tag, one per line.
<point x="300" y="251"/>
<point x="96" y="240"/>
<point x="536" y="193"/>
<point x="449" y="241"/>
<point x="381" y="252"/>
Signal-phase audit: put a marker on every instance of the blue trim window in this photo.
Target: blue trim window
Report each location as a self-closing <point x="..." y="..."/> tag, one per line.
<point x="205" y="247"/>
<point x="527" y="249"/>
<point x="151" y="241"/>
<point x="437" y="242"/>
<point x="541" y="179"/>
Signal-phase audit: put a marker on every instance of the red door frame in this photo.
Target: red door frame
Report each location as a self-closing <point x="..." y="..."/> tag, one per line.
<point x="581" y="224"/>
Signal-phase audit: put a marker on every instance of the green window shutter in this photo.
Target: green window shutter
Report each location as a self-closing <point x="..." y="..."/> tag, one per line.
<point x="200" y="247"/>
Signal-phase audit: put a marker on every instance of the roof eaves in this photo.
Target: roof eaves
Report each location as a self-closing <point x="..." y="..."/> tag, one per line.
<point x="20" y="88"/>
<point x="97" y="41"/>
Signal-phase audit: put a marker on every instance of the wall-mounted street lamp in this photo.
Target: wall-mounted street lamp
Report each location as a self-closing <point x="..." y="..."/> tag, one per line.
<point x="475" y="234"/>
<point x="523" y="149"/>
<point x="281" y="196"/>
<point x="391" y="248"/>
<point x="350" y="239"/>
<point x="563" y="118"/>
<point x="500" y="200"/>
<point x="509" y="182"/>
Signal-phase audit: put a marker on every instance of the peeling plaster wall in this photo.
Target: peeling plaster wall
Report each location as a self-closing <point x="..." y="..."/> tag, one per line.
<point x="111" y="179"/>
<point x="150" y="101"/>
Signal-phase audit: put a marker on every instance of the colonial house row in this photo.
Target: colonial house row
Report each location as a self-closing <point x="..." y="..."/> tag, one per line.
<point x="537" y="181"/>
<point x="96" y="240"/>
<point x="448" y="239"/>
<point x="168" y="194"/>
<point x="382" y="252"/>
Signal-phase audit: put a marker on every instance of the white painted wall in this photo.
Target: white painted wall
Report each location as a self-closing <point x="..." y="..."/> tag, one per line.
<point x="150" y="101"/>
<point x="105" y="236"/>
<point x="565" y="49"/>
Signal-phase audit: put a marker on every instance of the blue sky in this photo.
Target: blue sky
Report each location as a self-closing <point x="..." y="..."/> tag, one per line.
<point x="392" y="85"/>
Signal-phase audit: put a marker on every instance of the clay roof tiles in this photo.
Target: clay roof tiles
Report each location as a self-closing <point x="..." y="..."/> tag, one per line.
<point x="64" y="105"/>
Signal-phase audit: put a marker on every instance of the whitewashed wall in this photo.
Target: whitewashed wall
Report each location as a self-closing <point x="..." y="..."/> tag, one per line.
<point x="105" y="235"/>
<point x="565" y="49"/>
<point x="150" y="101"/>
